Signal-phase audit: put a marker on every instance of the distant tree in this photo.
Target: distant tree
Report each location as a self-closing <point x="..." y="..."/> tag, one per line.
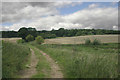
<point x="31" y="29"/>
<point x="61" y="32"/>
<point x="39" y="40"/>
<point x="9" y="34"/>
<point x="29" y="38"/>
<point x="79" y="33"/>
<point x="53" y="36"/>
<point x="23" y="32"/>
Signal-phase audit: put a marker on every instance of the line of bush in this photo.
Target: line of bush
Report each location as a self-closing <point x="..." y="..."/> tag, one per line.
<point x="28" y="38"/>
<point x="95" y="42"/>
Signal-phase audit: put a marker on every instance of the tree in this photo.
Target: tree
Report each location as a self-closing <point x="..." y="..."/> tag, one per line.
<point x="39" y="40"/>
<point x="79" y="33"/>
<point x="29" y="38"/>
<point x="23" y="32"/>
<point x="31" y="29"/>
<point x="61" y="32"/>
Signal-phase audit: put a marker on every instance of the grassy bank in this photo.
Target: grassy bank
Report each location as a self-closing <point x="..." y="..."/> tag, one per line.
<point x="84" y="61"/>
<point x="14" y="58"/>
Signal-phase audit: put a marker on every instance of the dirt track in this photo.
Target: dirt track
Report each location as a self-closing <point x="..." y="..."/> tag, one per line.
<point x="55" y="69"/>
<point x="29" y="72"/>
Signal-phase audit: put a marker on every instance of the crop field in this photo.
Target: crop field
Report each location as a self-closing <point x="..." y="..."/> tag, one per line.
<point x="74" y="40"/>
<point x="81" y="39"/>
<point x="84" y="61"/>
<point x="10" y="39"/>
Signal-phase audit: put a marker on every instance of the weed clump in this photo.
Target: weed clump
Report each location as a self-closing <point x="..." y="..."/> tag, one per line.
<point x="88" y="41"/>
<point x="96" y="42"/>
<point x="39" y="40"/>
<point x="29" y="38"/>
<point x="20" y="41"/>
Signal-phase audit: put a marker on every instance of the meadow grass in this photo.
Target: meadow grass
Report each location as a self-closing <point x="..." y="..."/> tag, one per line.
<point x="84" y="61"/>
<point x="43" y="66"/>
<point x="14" y="59"/>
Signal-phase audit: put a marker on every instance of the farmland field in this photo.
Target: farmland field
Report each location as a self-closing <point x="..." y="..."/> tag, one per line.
<point x="75" y="59"/>
<point x="59" y="39"/>
<point x="10" y="39"/>
<point x="81" y="39"/>
<point x="74" y="40"/>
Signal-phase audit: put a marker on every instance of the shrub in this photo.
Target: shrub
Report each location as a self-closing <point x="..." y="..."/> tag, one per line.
<point x="96" y="42"/>
<point x="39" y="40"/>
<point x="20" y="41"/>
<point x="29" y="38"/>
<point x="87" y="41"/>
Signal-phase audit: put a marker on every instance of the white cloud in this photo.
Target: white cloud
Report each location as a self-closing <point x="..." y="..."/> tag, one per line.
<point x="47" y="18"/>
<point x="115" y="27"/>
<point x="93" y="5"/>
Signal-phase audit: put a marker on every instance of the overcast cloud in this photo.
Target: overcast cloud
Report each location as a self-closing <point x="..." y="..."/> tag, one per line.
<point x="46" y="16"/>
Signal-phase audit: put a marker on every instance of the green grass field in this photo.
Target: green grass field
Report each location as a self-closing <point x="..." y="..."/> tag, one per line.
<point x="84" y="61"/>
<point x="14" y="58"/>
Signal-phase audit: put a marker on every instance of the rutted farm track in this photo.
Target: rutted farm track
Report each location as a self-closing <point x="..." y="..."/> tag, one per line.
<point x="29" y="72"/>
<point x="55" y="71"/>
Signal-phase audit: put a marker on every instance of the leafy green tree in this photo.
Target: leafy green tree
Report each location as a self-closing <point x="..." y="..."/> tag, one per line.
<point x="23" y="32"/>
<point x="61" y="32"/>
<point x="29" y="38"/>
<point x="39" y="40"/>
<point x="79" y="33"/>
<point x="31" y="29"/>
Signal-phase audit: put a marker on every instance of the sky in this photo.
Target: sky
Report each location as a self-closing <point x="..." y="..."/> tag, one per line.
<point x="55" y="15"/>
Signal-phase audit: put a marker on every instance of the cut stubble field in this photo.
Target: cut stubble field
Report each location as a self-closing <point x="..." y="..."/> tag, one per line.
<point x="81" y="39"/>
<point x="74" y="40"/>
<point x="10" y="39"/>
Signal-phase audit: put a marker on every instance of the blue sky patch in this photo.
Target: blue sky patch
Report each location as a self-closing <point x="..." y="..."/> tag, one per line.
<point x="71" y="9"/>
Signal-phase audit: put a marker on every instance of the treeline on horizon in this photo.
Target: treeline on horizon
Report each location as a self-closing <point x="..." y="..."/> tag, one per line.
<point x="61" y="32"/>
